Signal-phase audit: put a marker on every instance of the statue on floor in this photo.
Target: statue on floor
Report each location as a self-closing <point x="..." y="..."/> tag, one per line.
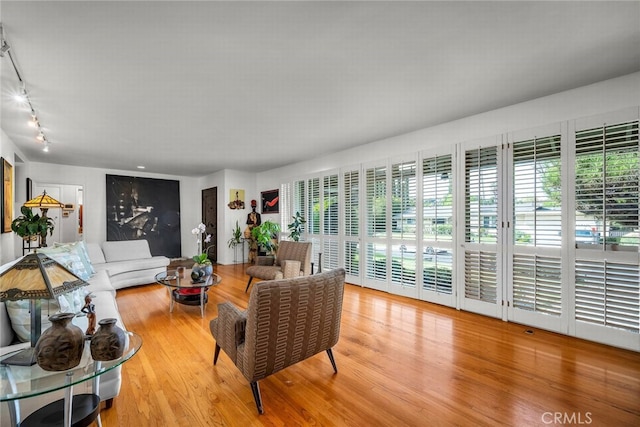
<point x="253" y="220"/>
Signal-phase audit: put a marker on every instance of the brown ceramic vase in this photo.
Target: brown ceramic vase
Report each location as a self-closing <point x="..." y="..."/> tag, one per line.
<point x="60" y="347"/>
<point x="108" y="341"/>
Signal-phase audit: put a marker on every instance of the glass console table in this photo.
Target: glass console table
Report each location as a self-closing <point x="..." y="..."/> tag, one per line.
<point x="21" y="382"/>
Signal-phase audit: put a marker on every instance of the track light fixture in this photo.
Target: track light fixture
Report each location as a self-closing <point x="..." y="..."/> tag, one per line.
<point x="22" y="94"/>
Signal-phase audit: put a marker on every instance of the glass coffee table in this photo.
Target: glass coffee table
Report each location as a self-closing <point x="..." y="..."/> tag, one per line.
<point x="185" y="291"/>
<point x="21" y="382"/>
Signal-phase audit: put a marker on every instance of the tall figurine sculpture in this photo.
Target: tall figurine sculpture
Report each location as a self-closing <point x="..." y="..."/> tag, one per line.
<point x="253" y="220"/>
<point x="90" y="310"/>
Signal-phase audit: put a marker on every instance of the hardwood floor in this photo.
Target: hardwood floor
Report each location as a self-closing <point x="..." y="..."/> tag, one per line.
<point x="401" y="362"/>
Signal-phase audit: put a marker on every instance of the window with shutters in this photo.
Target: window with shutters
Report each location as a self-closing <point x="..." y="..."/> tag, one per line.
<point x="403" y="200"/>
<point x="537" y="284"/>
<point x="437" y="223"/>
<point x="376" y="199"/>
<point x="313" y="205"/>
<point x="537" y="199"/>
<point x="481" y="216"/>
<point x="330" y="205"/>
<point x="299" y="198"/>
<point x="351" y="203"/>
<point x="481" y="195"/>
<point x="537" y="222"/>
<point x="606" y="187"/>
<point x="608" y="294"/>
<point x="285" y="206"/>
<point x="376" y="261"/>
<point x="480" y="276"/>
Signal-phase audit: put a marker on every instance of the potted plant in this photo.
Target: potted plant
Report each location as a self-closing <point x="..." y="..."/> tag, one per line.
<point x="236" y="234"/>
<point x="265" y="235"/>
<point x="29" y="225"/>
<point x="295" y="228"/>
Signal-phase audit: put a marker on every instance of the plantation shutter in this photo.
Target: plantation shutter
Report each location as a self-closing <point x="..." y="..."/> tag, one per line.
<point x="313" y="206"/>
<point x="299" y="198"/>
<point x="376" y="195"/>
<point x="536" y="173"/>
<point x="437" y="228"/>
<point x="403" y="200"/>
<point x="606" y="170"/>
<point x="481" y="215"/>
<point x="607" y="274"/>
<point x="330" y="205"/>
<point x="376" y="224"/>
<point x="537" y="228"/>
<point x="351" y="203"/>
<point x="285" y="206"/>
<point x="607" y="294"/>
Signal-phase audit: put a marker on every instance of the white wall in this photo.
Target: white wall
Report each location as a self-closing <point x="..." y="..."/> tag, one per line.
<point x="93" y="181"/>
<point x="606" y="96"/>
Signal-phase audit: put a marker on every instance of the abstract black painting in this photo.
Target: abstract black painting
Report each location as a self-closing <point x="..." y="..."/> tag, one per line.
<point x="145" y="209"/>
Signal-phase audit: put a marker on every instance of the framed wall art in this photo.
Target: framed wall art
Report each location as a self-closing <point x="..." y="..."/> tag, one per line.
<point x="270" y="201"/>
<point x="7" y="195"/>
<point x="145" y="209"/>
<point x="236" y="199"/>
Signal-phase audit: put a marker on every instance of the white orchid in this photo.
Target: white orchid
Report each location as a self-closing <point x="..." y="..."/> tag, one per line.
<point x="201" y="256"/>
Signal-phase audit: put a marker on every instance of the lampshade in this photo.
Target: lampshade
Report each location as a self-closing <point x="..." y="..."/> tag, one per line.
<point x="36" y="276"/>
<point x="43" y="201"/>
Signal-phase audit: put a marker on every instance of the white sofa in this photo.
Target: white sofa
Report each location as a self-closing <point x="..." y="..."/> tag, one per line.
<point x="112" y="271"/>
<point x="128" y="262"/>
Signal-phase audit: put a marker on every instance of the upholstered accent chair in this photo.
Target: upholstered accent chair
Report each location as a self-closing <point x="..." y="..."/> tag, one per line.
<point x="292" y="259"/>
<point x="286" y="322"/>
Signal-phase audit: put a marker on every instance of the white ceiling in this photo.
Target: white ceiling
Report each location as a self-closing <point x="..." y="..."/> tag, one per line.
<point x="189" y="88"/>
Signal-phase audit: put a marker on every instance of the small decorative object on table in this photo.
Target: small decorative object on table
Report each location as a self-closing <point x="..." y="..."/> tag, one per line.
<point x="60" y="347"/>
<point x="201" y="259"/>
<point x="108" y="341"/>
<point x="90" y="310"/>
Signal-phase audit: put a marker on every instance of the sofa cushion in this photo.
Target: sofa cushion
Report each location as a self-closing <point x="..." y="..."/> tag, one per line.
<point x="100" y="282"/>
<point x="95" y="254"/>
<point x="126" y="250"/>
<point x="119" y="267"/>
<point x="71" y="260"/>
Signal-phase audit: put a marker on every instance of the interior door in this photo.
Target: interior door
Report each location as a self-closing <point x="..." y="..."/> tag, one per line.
<point x="210" y="220"/>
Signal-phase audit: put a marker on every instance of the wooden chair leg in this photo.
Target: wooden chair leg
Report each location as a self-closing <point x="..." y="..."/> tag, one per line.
<point x="109" y="403"/>
<point x="216" y="353"/>
<point x="255" y="389"/>
<point x="248" y="283"/>
<point x="333" y="361"/>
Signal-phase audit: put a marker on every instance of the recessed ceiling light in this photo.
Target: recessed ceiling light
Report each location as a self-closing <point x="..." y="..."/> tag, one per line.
<point x="140" y="167"/>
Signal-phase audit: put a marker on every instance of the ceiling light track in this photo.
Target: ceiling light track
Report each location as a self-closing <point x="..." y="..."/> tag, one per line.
<point x="34" y="122"/>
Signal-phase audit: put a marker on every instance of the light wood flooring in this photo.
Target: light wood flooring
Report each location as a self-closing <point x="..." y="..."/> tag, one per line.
<point x="401" y="362"/>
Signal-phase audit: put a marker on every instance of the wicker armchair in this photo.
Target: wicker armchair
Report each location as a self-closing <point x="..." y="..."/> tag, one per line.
<point x="307" y="309"/>
<point x="293" y="259"/>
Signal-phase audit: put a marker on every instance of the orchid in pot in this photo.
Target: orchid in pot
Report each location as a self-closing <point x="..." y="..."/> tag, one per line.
<point x="201" y="259"/>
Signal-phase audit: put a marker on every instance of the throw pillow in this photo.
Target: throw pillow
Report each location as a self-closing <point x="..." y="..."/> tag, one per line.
<point x="21" y="317"/>
<point x="70" y="260"/>
<point x="80" y="249"/>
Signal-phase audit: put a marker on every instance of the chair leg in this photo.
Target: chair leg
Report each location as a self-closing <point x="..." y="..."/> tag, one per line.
<point x="216" y="353"/>
<point x="255" y="389"/>
<point x="248" y="283"/>
<point x="333" y="361"/>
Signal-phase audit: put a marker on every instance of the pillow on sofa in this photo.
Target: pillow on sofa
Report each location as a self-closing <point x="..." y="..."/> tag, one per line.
<point x="80" y="249"/>
<point x="70" y="260"/>
<point x="18" y="311"/>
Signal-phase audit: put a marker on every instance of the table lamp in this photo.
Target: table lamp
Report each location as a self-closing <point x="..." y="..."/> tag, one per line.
<point x="35" y="277"/>
<point x="44" y="202"/>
